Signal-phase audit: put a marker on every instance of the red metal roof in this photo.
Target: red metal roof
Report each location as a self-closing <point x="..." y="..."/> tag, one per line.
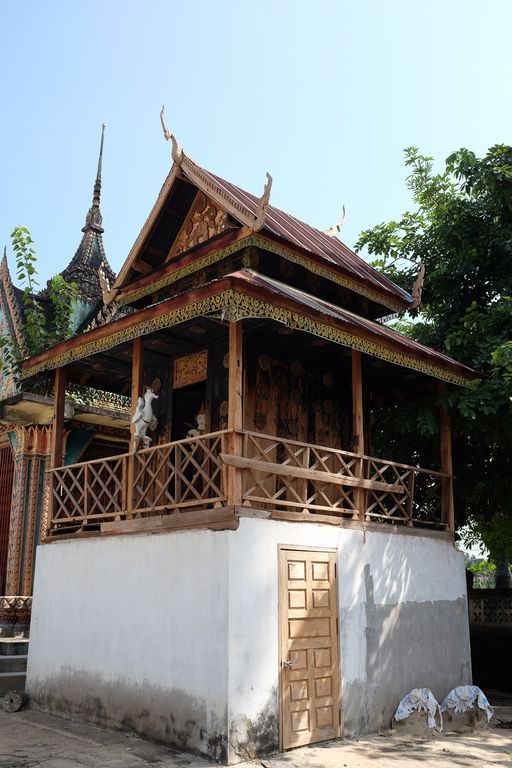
<point x="299" y="233"/>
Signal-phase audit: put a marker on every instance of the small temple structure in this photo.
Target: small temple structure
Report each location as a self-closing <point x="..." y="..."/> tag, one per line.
<point x="97" y="421"/>
<point x="254" y="576"/>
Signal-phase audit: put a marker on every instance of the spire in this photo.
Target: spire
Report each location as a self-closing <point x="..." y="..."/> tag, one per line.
<point x="89" y="259"/>
<point x="94" y="219"/>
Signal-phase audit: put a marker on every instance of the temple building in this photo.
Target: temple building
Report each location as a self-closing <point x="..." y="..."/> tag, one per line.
<point x="97" y="422"/>
<point x="246" y="573"/>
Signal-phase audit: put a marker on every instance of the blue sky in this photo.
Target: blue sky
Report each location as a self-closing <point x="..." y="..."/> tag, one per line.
<point x="324" y="95"/>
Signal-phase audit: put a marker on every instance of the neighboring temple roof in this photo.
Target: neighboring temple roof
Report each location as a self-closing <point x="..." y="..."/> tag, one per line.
<point x="11" y="304"/>
<point x="246" y="294"/>
<point x="89" y="259"/>
<point x="257" y="215"/>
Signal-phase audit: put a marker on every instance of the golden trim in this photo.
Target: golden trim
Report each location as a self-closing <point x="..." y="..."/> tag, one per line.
<point x="190" y="369"/>
<point x="271" y="247"/>
<point x="239" y="306"/>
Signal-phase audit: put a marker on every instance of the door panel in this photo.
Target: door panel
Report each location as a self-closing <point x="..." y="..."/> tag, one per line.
<point x="310" y="705"/>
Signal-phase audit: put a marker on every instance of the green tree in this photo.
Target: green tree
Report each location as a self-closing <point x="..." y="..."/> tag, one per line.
<point x="40" y="329"/>
<point x="461" y="230"/>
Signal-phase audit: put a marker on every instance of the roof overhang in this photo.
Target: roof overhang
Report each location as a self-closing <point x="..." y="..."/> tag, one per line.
<point x="245" y="294"/>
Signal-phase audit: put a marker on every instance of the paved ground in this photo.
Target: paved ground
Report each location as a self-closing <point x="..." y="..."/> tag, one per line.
<point x="30" y="738"/>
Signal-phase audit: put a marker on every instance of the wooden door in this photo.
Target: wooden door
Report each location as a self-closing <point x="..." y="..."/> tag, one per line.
<point x="310" y="672"/>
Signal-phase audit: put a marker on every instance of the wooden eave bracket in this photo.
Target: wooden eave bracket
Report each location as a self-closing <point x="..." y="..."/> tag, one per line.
<point x="195" y="174"/>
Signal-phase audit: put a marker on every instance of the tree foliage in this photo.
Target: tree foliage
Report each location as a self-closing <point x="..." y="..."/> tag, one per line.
<point x="40" y="329"/>
<point x="461" y="230"/>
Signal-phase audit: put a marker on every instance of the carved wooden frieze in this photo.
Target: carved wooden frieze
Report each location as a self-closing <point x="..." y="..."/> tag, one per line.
<point x="190" y="370"/>
<point x="204" y="221"/>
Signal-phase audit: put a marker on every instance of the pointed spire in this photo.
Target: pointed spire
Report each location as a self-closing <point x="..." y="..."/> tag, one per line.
<point x="94" y="219"/>
<point x="90" y="256"/>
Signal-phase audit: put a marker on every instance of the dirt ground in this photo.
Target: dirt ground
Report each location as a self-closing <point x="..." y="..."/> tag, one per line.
<point x="30" y="738"/>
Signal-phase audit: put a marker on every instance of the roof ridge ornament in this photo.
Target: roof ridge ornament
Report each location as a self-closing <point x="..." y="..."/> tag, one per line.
<point x="336" y="228"/>
<point x="417" y="287"/>
<point x="187" y="165"/>
<point x="263" y="203"/>
<point x="177" y="152"/>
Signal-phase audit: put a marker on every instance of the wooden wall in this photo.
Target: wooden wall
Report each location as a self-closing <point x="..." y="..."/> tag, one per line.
<point x="297" y="392"/>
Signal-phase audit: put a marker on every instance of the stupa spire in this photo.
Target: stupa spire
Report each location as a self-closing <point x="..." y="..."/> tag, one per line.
<point x="94" y="219"/>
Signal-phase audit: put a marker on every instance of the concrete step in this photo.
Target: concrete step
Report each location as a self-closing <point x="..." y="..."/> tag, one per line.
<point x="16" y="663"/>
<point x="11" y="681"/>
<point x="13" y="646"/>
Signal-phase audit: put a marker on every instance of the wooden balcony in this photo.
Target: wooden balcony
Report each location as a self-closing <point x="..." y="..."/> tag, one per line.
<point x="215" y="477"/>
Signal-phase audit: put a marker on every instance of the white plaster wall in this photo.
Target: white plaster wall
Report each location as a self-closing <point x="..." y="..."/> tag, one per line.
<point x="403" y="622"/>
<point x="175" y="635"/>
<point x="132" y="631"/>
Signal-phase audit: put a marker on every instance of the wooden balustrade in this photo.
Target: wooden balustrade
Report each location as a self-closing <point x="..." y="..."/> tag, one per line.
<point x="285" y="477"/>
<point x="181" y="475"/>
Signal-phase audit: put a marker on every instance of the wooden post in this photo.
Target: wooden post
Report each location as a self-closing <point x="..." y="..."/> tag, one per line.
<point x="137" y="374"/>
<point x="358" y="428"/>
<point x="445" y="435"/>
<point x="57" y="445"/>
<point x="235" y="410"/>
<point x="59" y="401"/>
<point x="136" y="392"/>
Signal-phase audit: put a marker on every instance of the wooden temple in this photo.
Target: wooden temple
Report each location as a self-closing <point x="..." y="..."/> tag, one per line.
<point x="264" y="340"/>
<point x="270" y="330"/>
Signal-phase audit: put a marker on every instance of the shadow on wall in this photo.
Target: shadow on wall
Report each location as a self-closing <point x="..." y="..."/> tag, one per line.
<point x="410" y="642"/>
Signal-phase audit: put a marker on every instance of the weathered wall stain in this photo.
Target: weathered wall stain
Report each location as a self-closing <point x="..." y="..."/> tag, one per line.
<point x="168" y="716"/>
<point x="255" y="737"/>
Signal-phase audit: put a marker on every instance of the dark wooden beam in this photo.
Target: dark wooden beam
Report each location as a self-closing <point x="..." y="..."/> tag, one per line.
<point x="358" y="445"/>
<point x="235" y="410"/>
<point x="59" y="401"/>
<point x="445" y="438"/>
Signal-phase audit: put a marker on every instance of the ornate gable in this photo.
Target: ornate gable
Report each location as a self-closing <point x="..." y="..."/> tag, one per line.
<point x="204" y="221"/>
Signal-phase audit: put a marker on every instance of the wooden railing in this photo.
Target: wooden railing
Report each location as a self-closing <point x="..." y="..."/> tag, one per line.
<point x="241" y="468"/>
<point x="176" y="476"/>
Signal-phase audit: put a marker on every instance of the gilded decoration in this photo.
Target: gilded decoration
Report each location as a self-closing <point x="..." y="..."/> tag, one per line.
<point x="204" y="221"/>
<point x="237" y="306"/>
<point x="32" y="441"/>
<point x="272" y="247"/>
<point x="190" y="370"/>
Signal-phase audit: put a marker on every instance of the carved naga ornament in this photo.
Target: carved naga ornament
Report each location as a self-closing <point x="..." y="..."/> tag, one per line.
<point x="144" y="419"/>
<point x="336" y="228"/>
<point x="417" y="287"/>
<point x="255" y="222"/>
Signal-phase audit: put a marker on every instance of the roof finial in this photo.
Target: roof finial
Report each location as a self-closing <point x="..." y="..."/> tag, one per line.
<point x="262" y="204"/>
<point x="417" y="287"/>
<point x="177" y="152"/>
<point x="336" y="228"/>
<point x="94" y="218"/>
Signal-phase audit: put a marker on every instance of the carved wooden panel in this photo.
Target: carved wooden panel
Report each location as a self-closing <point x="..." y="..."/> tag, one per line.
<point x="204" y="220"/>
<point x="190" y="369"/>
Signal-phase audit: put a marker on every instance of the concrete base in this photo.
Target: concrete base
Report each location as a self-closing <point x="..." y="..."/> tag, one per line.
<point x="175" y="636"/>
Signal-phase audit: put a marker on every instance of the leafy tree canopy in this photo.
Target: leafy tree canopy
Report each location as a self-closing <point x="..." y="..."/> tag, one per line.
<point x="461" y="230"/>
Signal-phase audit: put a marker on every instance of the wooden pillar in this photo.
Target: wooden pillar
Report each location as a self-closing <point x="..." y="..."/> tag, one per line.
<point x="358" y="429"/>
<point x="59" y="401"/>
<point x="137" y="370"/>
<point x="235" y="410"/>
<point x="445" y="435"/>
<point x="136" y="392"/>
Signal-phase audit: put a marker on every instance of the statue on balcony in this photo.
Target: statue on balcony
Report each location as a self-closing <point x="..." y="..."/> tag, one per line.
<point x="144" y="419"/>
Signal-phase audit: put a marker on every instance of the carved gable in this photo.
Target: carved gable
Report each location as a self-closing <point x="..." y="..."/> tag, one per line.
<point x="204" y="220"/>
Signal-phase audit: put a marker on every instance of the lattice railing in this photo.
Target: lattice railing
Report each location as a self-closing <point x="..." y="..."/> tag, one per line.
<point x="248" y="469"/>
<point x="285" y="474"/>
<point x="418" y="499"/>
<point x="175" y="476"/>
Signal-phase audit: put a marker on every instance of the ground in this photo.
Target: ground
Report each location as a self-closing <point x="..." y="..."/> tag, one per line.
<point x="30" y="738"/>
